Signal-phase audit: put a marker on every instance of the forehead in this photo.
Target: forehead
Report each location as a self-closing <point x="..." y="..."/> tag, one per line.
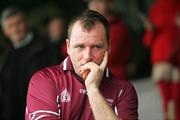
<point x="78" y="30"/>
<point x="13" y="19"/>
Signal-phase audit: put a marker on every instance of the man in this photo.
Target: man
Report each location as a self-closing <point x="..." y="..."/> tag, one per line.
<point x="23" y="57"/>
<point x="82" y="88"/>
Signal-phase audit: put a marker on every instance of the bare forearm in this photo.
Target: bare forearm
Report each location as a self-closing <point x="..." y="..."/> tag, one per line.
<point x="92" y="73"/>
<point x="100" y="107"/>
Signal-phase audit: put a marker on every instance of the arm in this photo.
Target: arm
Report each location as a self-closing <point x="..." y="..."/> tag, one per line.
<point x="100" y="107"/>
<point x="149" y="29"/>
<point x="41" y="99"/>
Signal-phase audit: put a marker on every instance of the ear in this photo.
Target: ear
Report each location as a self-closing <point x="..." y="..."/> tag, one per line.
<point x="68" y="46"/>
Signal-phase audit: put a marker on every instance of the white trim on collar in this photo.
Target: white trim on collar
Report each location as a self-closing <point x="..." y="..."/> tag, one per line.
<point x="65" y="64"/>
<point x="107" y="72"/>
<point x="65" y="67"/>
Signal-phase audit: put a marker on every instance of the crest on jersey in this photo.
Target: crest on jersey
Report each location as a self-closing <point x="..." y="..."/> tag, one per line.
<point x="65" y="96"/>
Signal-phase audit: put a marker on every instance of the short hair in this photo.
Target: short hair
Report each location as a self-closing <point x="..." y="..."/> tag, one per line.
<point x="88" y="19"/>
<point x="10" y="12"/>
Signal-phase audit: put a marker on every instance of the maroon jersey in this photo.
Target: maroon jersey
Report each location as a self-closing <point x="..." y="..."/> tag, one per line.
<point x="58" y="93"/>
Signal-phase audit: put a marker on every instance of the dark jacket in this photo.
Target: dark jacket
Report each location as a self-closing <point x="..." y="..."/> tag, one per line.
<point x="17" y="67"/>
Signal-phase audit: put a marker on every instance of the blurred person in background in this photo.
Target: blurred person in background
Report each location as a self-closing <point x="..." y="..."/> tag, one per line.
<point x="23" y="57"/>
<point x="55" y="34"/>
<point x="162" y="36"/>
<point x="119" y="37"/>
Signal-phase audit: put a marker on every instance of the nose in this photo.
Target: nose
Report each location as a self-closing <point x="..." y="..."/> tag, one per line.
<point x="88" y="55"/>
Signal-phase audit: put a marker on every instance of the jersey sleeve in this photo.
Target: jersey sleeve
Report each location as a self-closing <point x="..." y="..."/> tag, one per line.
<point x="42" y="99"/>
<point x="127" y="107"/>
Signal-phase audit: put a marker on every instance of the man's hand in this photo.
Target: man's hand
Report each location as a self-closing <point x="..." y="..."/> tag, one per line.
<point x="93" y="73"/>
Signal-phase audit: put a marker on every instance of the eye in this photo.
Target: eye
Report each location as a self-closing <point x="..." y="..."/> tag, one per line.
<point x="79" y="46"/>
<point x="97" y="46"/>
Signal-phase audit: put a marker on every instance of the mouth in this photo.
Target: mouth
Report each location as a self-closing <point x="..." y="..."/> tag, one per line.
<point x="82" y="64"/>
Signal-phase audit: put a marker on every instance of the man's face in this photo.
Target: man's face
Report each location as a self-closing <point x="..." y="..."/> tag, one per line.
<point x="15" y="28"/>
<point x="86" y="45"/>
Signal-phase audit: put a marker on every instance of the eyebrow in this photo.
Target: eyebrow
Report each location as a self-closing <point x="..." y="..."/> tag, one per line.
<point x="79" y="44"/>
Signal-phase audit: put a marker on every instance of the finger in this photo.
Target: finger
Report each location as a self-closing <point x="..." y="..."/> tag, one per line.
<point x="85" y="69"/>
<point x="105" y="60"/>
<point x="90" y="66"/>
<point x="82" y="70"/>
<point x="85" y="74"/>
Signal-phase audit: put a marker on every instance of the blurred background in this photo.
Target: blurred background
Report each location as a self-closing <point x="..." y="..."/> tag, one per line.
<point x="128" y="10"/>
<point x="133" y="14"/>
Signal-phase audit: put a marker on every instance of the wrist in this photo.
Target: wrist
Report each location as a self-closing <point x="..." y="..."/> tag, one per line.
<point x="92" y="91"/>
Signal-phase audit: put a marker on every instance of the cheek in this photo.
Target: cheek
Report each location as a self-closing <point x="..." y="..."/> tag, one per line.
<point x="7" y="32"/>
<point x="10" y="32"/>
<point x="22" y="28"/>
<point x="98" y="57"/>
<point x="75" y="55"/>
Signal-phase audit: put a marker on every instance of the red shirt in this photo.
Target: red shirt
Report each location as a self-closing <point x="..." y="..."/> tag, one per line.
<point x="57" y="93"/>
<point x="163" y="39"/>
<point x="120" y="48"/>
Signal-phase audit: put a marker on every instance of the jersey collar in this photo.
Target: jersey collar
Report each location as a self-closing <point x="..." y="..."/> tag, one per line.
<point x="67" y="66"/>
